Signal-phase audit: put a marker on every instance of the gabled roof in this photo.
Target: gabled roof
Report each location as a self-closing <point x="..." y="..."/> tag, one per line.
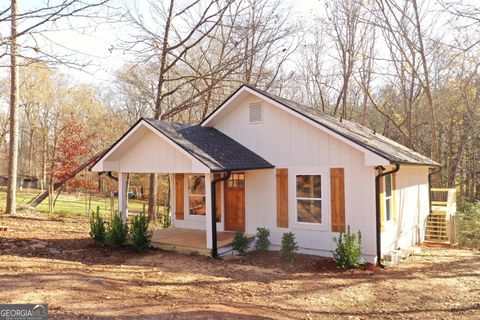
<point x="211" y="147"/>
<point x="361" y="135"/>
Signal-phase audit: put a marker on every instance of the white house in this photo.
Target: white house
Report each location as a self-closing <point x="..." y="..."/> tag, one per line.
<point x="277" y="164"/>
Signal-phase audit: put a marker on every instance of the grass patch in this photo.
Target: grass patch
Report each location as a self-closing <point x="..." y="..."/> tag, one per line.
<point x="72" y="204"/>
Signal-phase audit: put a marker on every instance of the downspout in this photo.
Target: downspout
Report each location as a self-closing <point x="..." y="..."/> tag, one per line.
<point x="214" y="212"/>
<point x="377" y="211"/>
<point x="430" y="186"/>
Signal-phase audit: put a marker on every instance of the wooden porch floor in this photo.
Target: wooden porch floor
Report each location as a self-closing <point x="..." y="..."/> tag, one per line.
<point x="189" y="241"/>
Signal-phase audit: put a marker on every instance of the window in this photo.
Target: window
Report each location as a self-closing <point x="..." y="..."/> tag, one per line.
<point x="309" y="198"/>
<point x="255" y="114"/>
<point x="196" y="195"/>
<point x="388" y="198"/>
<point x="236" y="180"/>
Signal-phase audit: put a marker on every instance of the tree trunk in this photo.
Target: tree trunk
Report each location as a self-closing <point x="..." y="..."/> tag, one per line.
<point x="13" y="117"/>
<point x="152" y="198"/>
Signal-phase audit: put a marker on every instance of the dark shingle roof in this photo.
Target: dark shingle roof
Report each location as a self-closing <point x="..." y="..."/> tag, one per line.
<point x="361" y="135"/>
<point x="211" y="147"/>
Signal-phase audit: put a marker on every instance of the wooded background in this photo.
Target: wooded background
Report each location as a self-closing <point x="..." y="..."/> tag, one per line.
<point x="408" y="69"/>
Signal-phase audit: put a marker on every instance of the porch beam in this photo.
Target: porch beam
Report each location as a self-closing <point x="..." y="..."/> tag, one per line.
<point x="122" y="196"/>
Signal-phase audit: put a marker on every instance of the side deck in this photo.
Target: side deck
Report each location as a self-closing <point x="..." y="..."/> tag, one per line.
<point x="191" y="241"/>
<point x="440" y="226"/>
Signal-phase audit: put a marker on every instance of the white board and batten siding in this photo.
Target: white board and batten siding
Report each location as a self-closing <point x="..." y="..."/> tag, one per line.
<point x="289" y="142"/>
<point x="145" y="150"/>
<point x="412" y="209"/>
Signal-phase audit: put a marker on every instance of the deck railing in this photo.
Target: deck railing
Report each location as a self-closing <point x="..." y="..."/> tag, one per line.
<point x="443" y="201"/>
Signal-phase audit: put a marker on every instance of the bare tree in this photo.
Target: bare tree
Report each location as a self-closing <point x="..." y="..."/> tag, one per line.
<point x="171" y="47"/>
<point x="348" y="30"/>
<point x="13" y="117"/>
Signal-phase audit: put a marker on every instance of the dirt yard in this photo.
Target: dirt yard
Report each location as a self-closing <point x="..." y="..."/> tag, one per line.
<point x="45" y="260"/>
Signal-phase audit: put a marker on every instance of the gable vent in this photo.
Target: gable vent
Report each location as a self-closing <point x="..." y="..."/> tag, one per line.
<point x="255" y="112"/>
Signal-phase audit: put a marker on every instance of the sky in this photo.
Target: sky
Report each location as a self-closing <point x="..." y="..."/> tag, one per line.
<point x="92" y="41"/>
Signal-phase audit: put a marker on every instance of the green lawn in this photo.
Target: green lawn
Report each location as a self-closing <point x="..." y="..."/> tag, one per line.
<point x="73" y="204"/>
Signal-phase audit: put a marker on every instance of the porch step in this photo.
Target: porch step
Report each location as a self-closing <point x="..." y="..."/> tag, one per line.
<point x="436" y="229"/>
<point x="182" y="249"/>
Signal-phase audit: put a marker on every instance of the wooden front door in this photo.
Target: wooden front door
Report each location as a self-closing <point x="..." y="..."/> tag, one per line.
<point x="235" y="202"/>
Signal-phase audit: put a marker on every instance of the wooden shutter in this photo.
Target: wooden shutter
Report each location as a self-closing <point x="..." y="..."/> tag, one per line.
<point x="381" y="190"/>
<point x="337" y="199"/>
<point x="282" y="198"/>
<point x="394" y="196"/>
<point x="218" y="195"/>
<point x="179" y="196"/>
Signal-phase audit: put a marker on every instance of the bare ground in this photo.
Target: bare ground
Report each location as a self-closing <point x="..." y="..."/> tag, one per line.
<point x="45" y="260"/>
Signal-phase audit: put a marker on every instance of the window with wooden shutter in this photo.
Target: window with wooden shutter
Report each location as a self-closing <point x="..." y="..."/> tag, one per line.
<point x="337" y="198"/>
<point x="179" y="196"/>
<point x="308" y="197"/>
<point x="282" y="198"/>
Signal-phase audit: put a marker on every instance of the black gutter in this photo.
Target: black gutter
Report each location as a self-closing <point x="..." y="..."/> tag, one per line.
<point x="214" y="212"/>
<point x="377" y="211"/>
<point x="430" y="186"/>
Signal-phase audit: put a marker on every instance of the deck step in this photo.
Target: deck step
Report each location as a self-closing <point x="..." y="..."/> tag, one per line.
<point x="436" y="229"/>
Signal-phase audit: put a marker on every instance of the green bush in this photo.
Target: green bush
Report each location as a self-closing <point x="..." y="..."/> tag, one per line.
<point x="117" y="232"/>
<point x="240" y="243"/>
<point x="97" y="226"/>
<point x="348" y="253"/>
<point x="468" y="226"/>
<point x="139" y="233"/>
<point x="289" y="246"/>
<point x="263" y="242"/>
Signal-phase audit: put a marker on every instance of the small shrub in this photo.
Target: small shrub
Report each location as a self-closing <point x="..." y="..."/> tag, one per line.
<point x="97" y="226"/>
<point x="139" y="233"/>
<point x="289" y="246"/>
<point x="468" y="226"/>
<point x="348" y="253"/>
<point x="117" y="232"/>
<point x="240" y="243"/>
<point x="263" y="242"/>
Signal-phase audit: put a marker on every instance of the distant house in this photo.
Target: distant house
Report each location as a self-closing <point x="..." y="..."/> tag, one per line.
<point x="287" y="168"/>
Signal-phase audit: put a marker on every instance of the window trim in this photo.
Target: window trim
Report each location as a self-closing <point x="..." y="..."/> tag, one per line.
<point x="386" y="198"/>
<point x="188" y="193"/>
<point x="321" y="199"/>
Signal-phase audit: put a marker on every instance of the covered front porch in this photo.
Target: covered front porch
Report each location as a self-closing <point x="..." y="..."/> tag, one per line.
<point x="207" y="180"/>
